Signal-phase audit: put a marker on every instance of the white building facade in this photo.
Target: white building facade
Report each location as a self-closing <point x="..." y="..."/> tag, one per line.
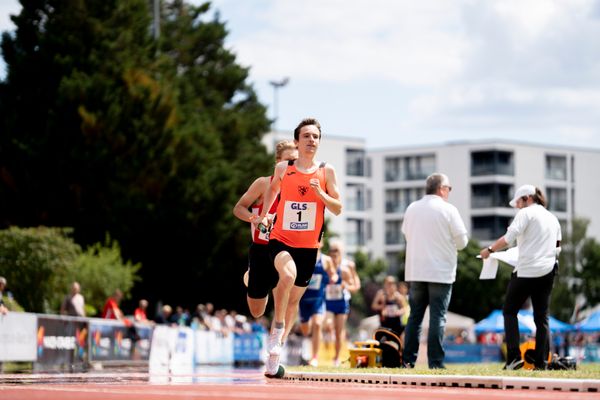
<point x="378" y="184"/>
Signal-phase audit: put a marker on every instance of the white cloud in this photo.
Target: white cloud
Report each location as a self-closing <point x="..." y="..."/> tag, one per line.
<point x="405" y="42"/>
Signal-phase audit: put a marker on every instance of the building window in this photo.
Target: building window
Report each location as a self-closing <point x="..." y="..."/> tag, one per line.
<point x="355" y="162"/>
<point x="490" y="195"/>
<point x="556" y="168"/>
<point x="393" y="232"/>
<point x="355" y="232"/>
<point x="409" y="168"/>
<point x="355" y="197"/>
<point x="493" y="162"/>
<point x="489" y="227"/>
<point x="396" y="200"/>
<point x="557" y="199"/>
<point x="392" y="261"/>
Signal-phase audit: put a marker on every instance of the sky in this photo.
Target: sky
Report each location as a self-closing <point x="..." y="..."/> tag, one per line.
<point x="405" y="73"/>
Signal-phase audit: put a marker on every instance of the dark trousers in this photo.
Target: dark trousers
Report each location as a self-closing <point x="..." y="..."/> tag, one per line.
<point x="519" y="289"/>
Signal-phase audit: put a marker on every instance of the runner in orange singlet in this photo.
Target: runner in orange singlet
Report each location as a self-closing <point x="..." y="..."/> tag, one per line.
<point x="261" y="275"/>
<point x="306" y="188"/>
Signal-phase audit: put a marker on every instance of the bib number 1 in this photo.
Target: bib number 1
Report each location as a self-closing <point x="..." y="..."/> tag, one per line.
<point x="299" y="216"/>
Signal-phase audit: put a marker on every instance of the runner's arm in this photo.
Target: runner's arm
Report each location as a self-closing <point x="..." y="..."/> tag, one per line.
<point x="252" y="195"/>
<point x="330" y="196"/>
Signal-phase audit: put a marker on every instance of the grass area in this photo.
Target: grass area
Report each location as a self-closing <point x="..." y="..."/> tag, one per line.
<point x="583" y="371"/>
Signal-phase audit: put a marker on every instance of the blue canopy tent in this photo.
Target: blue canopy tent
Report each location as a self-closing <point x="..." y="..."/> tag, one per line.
<point x="590" y="324"/>
<point x="556" y="326"/>
<point x="495" y="323"/>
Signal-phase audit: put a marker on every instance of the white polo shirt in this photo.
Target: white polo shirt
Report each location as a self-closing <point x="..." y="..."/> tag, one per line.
<point x="434" y="231"/>
<point x="535" y="231"/>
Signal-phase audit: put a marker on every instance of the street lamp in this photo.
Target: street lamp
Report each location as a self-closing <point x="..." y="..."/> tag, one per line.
<point x="276" y="86"/>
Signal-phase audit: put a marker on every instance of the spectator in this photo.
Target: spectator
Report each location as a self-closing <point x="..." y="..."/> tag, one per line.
<point x="164" y="317"/>
<point x="74" y="303"/>
<point x="139" y="315"/>
<point x="434" y="232"/>
<point x="181" y="317"/>
<point x="391" y="305"/>
<point x="111" y="308"/>
<point x="199" y="318"/>
<point x="3" y="307"/>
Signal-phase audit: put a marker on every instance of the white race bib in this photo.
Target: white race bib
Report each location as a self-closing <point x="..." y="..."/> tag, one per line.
<point x="391" y="310"/>
<point x="315" y="282"/>
<point x="299" y="216"/>
<point x="334" y="292"/>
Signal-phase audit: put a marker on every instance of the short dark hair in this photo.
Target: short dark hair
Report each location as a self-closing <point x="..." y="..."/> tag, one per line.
<point x="306" y="122"/>
<point x="539" y="198"/>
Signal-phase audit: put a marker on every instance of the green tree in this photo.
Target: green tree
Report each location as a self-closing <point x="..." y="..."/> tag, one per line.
<point x="35" y="262"/>
<point x="579" y="271"/>
<point x="40" y="264"/>
<point x="590" y="271"/>
<point x="371" y="273"/>
<point x="100" y="270"/>
<point x="152" y="141"/>
<point x="472" y="296"/>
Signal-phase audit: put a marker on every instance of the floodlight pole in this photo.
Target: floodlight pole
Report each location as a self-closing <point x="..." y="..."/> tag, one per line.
<point x="276" y="86"/>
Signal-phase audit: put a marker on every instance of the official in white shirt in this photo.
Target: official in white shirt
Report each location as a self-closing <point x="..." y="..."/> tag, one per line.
<point x="434" y="232"/>
<point x="537" y="234"/>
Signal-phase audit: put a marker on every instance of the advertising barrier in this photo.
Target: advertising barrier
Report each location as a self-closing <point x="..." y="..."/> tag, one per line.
<point x="172" y="350"/>
<point x="249" y="348"/>
<point x="18" y="337"/>
<point x="472" y="353"/>
<point x="111" y="340"/>
<point x="62" y="343"/>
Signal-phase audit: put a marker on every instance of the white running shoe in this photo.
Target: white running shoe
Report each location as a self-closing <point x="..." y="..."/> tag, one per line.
<point x="314" y="362"/>
<point x="272" y="365"/>
<point x="274" y="344"/>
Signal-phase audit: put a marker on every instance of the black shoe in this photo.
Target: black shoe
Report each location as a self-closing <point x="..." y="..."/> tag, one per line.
<point x="514" y="365"/>
<point x="437" y="366"/>
<point x="408" y="365"/>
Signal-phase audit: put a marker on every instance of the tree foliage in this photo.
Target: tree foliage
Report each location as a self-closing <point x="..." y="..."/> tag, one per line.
<point x="40" y="264"/>
<point x="100" y="270"/>
<point x="472" y="296"/>
<point x="371" y="273"/>
<point x="150" y="140"/>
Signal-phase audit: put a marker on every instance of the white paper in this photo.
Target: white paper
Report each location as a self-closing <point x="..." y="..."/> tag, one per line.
<point x="490" y="264"/>
<point x="489" y="269"/>
<point x="510" y="256"/>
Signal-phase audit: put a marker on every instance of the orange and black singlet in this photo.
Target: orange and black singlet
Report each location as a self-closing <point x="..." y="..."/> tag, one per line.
<point x="300" y="212"/>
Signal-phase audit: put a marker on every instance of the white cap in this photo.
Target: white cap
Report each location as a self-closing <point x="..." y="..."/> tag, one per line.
<point x="525" y="190"/>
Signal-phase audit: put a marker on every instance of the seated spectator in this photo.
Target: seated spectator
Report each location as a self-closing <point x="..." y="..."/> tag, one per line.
<point x="74" y="303"/>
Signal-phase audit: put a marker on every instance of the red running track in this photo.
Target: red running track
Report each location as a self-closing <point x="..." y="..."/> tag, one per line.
<point x="236" y="385"/>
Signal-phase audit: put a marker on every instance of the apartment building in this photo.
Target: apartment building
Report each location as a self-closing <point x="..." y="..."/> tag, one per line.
<point x="378" y="184"/>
